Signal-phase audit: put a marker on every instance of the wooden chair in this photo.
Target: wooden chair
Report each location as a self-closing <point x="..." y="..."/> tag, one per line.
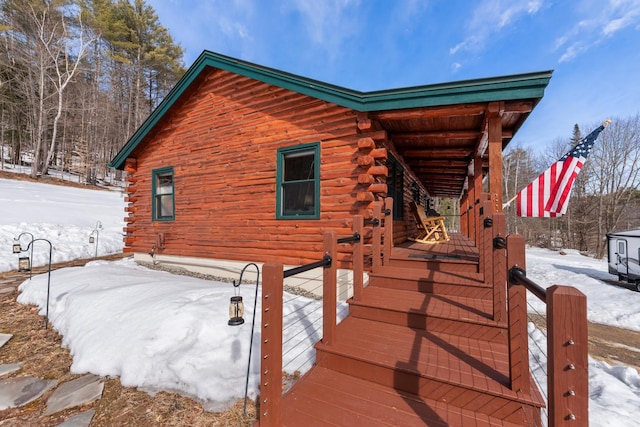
<point x="431" y="229"/>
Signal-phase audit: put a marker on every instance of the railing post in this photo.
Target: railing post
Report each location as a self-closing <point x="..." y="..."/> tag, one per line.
<point x="484" y="244"/>
<point x="271" y="360"/>
<point x="358" y="258"/>
<point x="388" y="230"/>
<point x="517" y="312"/>
<point x="567" y="342"/>
<point x="329" y="291"/>
<point x="499" y="267"/>
<point x="376" y="238"/>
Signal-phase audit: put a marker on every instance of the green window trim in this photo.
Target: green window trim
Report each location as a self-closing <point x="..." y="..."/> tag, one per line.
<point x="298" y="182"/>
<point x="163" y="204"/>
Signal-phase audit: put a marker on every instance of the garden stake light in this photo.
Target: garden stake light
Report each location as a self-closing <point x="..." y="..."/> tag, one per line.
<point x="46" y="318"/>
<point x="24" y="263"/>
<point x="236" y="313"/>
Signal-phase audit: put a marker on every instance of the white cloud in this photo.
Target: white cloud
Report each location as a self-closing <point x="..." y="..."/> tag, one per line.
<point x="455" y="67"/>
<point x="491" y="17"/>
<point x="596" y="24"/>
<point x="328" y="22"/>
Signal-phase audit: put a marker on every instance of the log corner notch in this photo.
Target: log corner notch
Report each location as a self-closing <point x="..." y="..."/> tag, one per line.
<point x="371" y="159"/>
<point x="130" y="167"/>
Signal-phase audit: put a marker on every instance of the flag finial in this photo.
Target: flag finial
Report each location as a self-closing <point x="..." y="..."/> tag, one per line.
<point x="606" y="123"/>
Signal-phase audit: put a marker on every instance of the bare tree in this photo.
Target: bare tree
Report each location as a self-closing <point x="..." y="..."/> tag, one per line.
<point x="616" y="179"/>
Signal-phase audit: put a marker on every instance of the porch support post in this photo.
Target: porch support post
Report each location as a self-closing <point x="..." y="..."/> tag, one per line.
<point x="358" y="258"/>
<point x="376" y="237"/>
<point x="329" y="291"/>
<point x="464" y="215"/>
<point x="477" y="191"/>
<point x="484" y="244"/>
<point x="496" y="110"/>
<point x="499" y="259"/>
<point x="388" y="230"/>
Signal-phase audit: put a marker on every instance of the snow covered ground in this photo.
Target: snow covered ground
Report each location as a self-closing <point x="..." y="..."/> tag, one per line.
<point x="161" y="331"/>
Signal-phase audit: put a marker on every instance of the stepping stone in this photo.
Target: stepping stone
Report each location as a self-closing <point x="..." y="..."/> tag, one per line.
<point x="7" y="369"/>
<point x="19" y="391"/>
<point x="7" y="289"/>
<point x="4" y="338"/>
<point x="74" y="393"/>
<point x="81" y="420"/>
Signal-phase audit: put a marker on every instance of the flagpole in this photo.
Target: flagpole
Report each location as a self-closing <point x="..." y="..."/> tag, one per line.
<point x="504" y="205"/>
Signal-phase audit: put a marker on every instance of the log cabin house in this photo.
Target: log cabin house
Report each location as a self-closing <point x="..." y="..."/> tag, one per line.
<point x="243" y="163"/>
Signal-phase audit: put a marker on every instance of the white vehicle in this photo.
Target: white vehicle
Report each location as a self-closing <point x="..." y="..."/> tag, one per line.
<point x="623" y="249"/>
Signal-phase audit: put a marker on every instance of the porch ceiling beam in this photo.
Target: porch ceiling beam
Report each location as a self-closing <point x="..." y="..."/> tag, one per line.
<point x="440" y="183"/>
<point x="444" y="154"/>
<point x="430" y="112"/>
<point x="518" y="106"/>
<point x="448" y="135"/>
<point x="461" y="164"/>
<point x="438" y="171"/>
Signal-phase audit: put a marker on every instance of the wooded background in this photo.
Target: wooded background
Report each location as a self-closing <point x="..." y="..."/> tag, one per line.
<point x="78" y="77"/>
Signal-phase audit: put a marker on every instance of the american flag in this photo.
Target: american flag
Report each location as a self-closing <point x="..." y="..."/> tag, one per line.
<point x="548" y="194"/>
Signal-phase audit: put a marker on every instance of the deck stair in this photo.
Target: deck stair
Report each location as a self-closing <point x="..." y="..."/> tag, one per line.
<point x="416" y="349"/>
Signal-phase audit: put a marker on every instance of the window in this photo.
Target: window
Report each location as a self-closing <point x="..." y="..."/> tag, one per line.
<point x="621" y="247"/>
<point x="163" y="200"/>
<point x="298" y="182"/>
<point x="395" y="186"/>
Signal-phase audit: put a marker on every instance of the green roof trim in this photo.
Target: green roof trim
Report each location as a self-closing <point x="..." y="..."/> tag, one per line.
<point x="518" y="86"/>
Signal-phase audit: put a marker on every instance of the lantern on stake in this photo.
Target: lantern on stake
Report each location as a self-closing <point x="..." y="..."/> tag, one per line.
<point x="24" y="264"/>
<point x="236" y="310"/>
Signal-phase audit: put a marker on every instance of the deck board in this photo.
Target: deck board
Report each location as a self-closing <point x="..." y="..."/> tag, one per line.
<point x="419" y="347"/>
<point x="445" y="306"/>
<point x="347" y="400"/>
<point x="458" y="247"/>
<point x="475" y="363"/>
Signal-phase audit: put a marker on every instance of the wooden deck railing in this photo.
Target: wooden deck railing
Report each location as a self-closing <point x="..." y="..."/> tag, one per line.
<point x="270" y="406"/>
<point x="567" y="345"/>
<point x="493" y="256"/>
<point x="503" y="263"/>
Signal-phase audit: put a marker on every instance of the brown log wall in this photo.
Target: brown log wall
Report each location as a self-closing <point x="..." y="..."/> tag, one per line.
<point x="222" y="141"/>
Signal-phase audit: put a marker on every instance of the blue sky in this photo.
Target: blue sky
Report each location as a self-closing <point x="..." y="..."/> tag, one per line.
<point x="593" y="46"/>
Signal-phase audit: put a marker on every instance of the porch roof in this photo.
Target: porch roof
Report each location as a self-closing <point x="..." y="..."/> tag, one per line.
<point x="437" y="129"/>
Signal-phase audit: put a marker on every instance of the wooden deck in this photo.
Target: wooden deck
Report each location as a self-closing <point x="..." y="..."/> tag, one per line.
<point x="419" y="347"/>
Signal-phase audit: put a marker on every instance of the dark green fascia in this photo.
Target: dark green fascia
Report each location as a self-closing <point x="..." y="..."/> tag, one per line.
<point x="519" y="86"/>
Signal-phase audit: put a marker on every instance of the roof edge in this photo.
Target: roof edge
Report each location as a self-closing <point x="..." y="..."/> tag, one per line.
<point x="517" y="86"/>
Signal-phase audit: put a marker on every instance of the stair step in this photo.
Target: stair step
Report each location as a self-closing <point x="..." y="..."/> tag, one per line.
<point x="350" y="401"/>
<point x="456" y="315"/>
<point x="465" y="372"/>
<point x="431" y="281"/>
<point x="431" y="262"/>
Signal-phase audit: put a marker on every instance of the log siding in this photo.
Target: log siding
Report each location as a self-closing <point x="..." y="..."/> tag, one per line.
<point x="222" y="143"/>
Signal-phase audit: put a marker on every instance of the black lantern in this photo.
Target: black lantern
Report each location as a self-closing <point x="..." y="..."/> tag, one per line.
<point x="92" y="239"/>
<point x="24" y="264"/>
<point x="16" y="247"/>
<point x="236" y="311"/>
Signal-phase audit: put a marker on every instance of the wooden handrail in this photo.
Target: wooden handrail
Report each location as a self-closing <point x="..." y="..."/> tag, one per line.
<point x="272" y="310"/>
<point x="567" y="341"/>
